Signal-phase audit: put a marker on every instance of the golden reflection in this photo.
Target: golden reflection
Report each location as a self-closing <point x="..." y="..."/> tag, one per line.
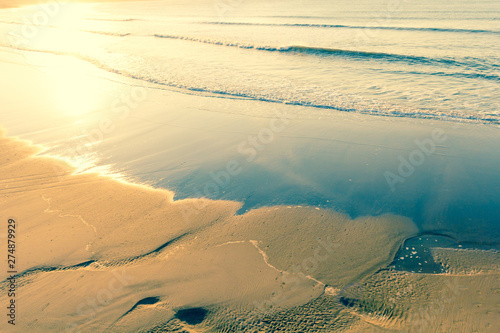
<point x="75" y="90"/>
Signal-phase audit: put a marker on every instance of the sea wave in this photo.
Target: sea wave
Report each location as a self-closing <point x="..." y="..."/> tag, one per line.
<point x="343" y="26"/>
<point x="405" y="18"/>
<point x="476" y="64"/>
<point x="108" y="33"/>
<point x="376" y="110"/>
<point x="111" y="20"/>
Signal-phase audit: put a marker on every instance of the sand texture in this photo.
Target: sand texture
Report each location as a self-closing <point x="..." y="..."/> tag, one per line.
<point x="97" y="254"/>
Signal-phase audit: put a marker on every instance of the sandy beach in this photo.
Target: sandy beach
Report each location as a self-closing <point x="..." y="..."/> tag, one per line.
<point x="103" y="254"/>
<point x="175" y="168"/>
<point x="99" y="254"/>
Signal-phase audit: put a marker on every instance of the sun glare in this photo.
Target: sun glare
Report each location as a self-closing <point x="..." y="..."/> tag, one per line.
<point x="74" y="88"/>
<point x="75" y="91"/>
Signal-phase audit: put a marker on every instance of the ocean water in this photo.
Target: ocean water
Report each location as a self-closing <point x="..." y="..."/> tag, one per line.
<point x="424" y="59"/>
<point x="360" y="81"/>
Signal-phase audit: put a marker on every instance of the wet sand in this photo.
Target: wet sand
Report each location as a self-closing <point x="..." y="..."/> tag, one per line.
<point x="100" y="254"/>
<point x="307" y="237"/>
<point x="440" y="174"/>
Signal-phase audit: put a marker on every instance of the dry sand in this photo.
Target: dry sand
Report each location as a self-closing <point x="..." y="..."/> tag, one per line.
<point x="96" y="254"/>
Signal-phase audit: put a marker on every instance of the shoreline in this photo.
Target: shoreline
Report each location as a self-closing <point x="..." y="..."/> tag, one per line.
<point x="75" y="204"/>
<point x="201" y="167"/>
<point x="387" y="169"/>
<point x="94" y="231"/>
